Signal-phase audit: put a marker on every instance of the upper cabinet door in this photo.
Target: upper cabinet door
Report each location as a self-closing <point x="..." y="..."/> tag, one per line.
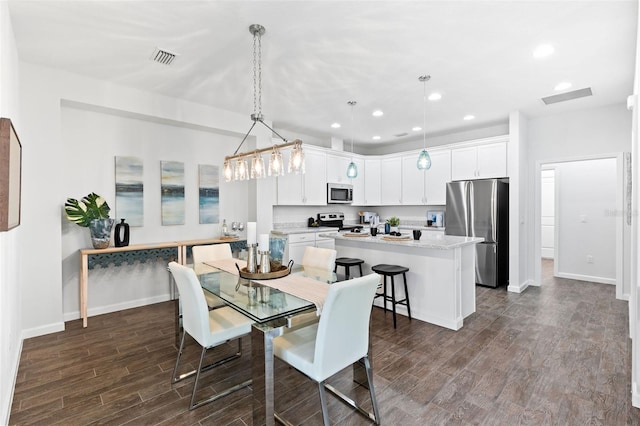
<point x="337" y="169"/>
<point x="437" y="177"/>
<point x="492" y="160"/>
<point x="315" y="178"/>
<point x="479" y="161"/>
<point x="391" y="181"/>
<point x="464" y="163"/>
<point x="412" y="181"/>
<point x="358" y="182"/>
<point x="372" y="182"/>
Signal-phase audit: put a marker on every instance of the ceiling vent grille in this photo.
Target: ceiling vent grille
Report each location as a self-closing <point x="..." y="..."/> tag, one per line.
<point x="163" y="57"/>
<point x="575" y="94"/>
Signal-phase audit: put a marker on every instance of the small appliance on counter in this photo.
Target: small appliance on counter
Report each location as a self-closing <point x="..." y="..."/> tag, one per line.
<point x="335" y="220"/>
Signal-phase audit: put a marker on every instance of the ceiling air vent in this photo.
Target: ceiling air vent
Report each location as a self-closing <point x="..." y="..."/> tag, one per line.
<point x="399" y="135"/>
<point x="575" y="94"/>
<point x="163" y="57"/>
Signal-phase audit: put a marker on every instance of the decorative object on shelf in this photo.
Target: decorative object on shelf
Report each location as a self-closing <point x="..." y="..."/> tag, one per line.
<point x="424" y="159"/>
<point x="100" y="230"/>
<point x="276" y="167"/>
<point x="121" y="234"/>
<point x="393" y="222"/>
<point x="352" y="169"/>
<point x="10" y="176"/>
<point x="130" y="189"/>
<point x="91" y="211"/>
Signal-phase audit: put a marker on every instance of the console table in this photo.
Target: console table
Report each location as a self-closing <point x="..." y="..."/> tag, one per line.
<point x="170" y="251"/>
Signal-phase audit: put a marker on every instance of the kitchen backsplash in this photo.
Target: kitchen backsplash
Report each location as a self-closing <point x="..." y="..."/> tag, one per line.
<point x="285" y="217"/>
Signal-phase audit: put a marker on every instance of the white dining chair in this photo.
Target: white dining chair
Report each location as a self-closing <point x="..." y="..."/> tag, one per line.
<point x="318" y="257"/>
<point x="209" y="253"/>
<point x="337" y="341"/>
<point x="208" y="328"/>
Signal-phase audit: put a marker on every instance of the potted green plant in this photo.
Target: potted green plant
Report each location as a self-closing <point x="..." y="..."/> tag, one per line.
<point x="393" y="222"/>
<point x="91" y="211"/>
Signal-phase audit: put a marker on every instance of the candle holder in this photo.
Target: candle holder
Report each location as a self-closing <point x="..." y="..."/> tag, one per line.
<point x="265" y="263"/>
<point x="252" y="258"/>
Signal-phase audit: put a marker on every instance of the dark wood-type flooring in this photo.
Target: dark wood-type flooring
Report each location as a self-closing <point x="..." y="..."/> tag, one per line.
<point x="555" y="355"/>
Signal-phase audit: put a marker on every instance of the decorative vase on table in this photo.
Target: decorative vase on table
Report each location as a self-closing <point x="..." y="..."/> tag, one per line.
<point x="100" y="232"/>
<point x="121" y="234"/>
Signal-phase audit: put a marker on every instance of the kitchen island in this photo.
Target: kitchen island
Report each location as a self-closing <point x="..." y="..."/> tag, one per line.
<point x="441" y="277"/>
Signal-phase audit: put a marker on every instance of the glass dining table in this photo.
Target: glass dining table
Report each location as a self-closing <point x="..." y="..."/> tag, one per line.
<point x="275" y="312"/>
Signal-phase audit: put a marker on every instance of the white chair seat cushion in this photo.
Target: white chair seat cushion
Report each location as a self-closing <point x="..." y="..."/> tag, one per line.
<point x="297" y="348"/>
<point x="226" y="323"/>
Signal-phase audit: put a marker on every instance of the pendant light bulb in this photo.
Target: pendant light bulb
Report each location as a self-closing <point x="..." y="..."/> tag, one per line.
<point x="227" y="170"/>
<point x="352" y="169"/>
<point x="424" y="159"/>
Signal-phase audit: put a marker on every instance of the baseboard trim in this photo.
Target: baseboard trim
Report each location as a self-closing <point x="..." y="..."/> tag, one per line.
<point x="11" y="385"/>
<point x="42" y="330"/>
<point x="520" y="288"/>
<point x="579" y="277"/>
<point x="107" y="309"/>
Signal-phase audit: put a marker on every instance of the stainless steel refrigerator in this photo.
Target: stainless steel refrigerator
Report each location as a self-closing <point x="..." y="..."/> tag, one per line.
<point x="480" y="208"/>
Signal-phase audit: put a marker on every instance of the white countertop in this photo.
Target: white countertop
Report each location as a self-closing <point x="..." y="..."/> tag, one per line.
<point x="428" y="240"/>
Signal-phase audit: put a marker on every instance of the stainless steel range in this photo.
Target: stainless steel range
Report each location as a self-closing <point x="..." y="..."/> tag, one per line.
<point x="335" y="220"/>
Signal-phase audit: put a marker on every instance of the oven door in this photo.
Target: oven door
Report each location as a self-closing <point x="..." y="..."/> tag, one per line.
<point x="339" y="194"/>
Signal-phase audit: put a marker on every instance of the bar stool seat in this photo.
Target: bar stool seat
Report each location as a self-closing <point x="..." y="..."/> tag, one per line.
<point x="391" y="271"/>
<point x="347" y="263"/>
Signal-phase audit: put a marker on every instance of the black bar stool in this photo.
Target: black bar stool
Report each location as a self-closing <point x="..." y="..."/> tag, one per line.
<point x="392" y="271"/>
<point x="348" y="262"/>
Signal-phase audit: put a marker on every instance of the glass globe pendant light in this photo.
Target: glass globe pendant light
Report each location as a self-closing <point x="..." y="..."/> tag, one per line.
<point x="352" y="169"/>
<point x="424" y="159"/>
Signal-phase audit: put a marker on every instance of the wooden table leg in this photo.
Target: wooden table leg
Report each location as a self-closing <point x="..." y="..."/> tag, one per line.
<point x="84" y="276"/>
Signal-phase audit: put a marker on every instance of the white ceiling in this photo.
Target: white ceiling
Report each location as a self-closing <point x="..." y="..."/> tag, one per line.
<point x="317" y="55"/>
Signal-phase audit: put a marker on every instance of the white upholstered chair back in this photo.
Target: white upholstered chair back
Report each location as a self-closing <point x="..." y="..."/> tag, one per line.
<point x="211" y="252"/>
<point x="318" y="257"/>
<point x="195" y="312"/>
<point x="343" y="330"/>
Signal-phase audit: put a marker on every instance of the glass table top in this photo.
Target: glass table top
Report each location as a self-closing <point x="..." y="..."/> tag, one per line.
<point x="258" y="302"/>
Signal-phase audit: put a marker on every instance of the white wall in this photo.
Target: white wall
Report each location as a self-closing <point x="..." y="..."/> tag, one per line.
<point x="10" y="241"/>
<point x="54" y="134"/>
<point x="547" y="213"/>
<point x="586" y="223"/>
<point x="90" y="141"/>
<point x="593" y="132"/>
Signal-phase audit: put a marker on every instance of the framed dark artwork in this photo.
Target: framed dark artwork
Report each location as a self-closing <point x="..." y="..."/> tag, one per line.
<point x="10" y="175"/>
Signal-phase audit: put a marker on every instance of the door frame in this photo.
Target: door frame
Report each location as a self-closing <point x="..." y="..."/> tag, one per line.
<point x="619" y="209"/>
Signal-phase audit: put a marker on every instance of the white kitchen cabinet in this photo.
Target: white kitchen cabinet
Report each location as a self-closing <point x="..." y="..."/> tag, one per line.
<point x="372" y="180"/>
<point x="309" y="188"/>
<point x="479" y="161"/>
<point x="437" y="177"/>
<point x="297" y="243"/>
<point x="426" y="187"/>
<point x="359" y="182"/>
<point x="391" y="181"/>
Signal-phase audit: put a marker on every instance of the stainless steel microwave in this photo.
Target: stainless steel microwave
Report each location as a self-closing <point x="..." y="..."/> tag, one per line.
<point x="338" y="193"/>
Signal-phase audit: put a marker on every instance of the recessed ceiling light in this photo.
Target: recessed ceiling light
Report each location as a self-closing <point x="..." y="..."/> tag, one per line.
<point x="336" y="125"/>
<point x="416" y="129"/>
<point x="377" y="113"/>
<point x="435" y="97"/>
<point x="469" y="117"/>
<point x="562" y="86"/>
<point x="543" y="51"/>
<point x="376" y="138"/>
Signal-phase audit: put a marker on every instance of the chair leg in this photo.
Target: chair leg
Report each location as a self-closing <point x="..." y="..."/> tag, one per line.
<point x="360" y="267"/>
<point x="393" y="300"/>
<point x="323" y="403"/>
<point x="372" y="392"/>
<point x="406" y="294"/>
<point x="192" y="404"/>
<point x="175" y="377"/>
<point x="384" y="293"/>
<point x="346" y="271"/>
